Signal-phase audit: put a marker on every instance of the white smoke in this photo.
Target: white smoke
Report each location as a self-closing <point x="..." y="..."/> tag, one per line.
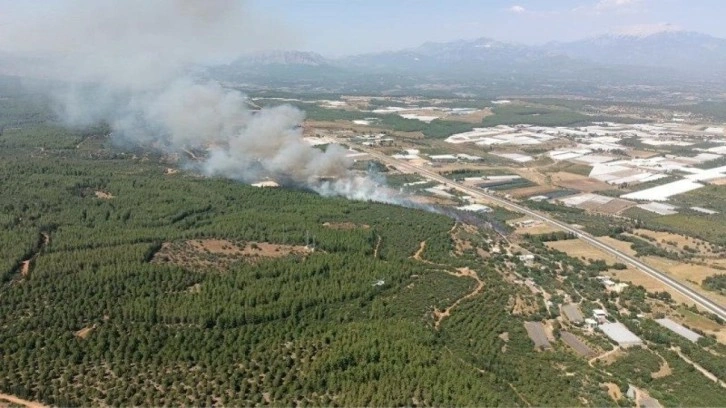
<point x="129" y="63"/>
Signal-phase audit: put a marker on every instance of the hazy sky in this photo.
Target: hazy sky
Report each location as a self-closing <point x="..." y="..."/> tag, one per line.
<point x="349" y="26"/>
<point x="337" y="27"/>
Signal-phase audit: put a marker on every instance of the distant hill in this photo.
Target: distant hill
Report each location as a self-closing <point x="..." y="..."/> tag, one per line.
<point x="679" y="50"/>
<point x="280" y="57"/>
<point x="669" y="55"/>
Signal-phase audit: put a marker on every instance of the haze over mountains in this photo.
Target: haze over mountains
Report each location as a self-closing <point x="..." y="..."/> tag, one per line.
<point x="667" y="55"/>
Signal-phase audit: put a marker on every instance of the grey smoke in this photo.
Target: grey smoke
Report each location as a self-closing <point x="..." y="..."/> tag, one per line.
<point x="130" y="63"/>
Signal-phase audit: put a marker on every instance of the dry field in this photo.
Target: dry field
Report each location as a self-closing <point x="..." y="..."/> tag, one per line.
<point x="615" y="206"/>
<point x="617" y="244"/>
<point x="580" y="249"/>
<point x="578" y="182"/>
<point x="696" y="321"/>
<point x="530" y="191"/>
<point x="538" y="228"/>
<point x="638" y="278"/>
<point x="667" y="239"/>
<point x="532" y="175"/>
<point x="687" y="274"/>
<point x="682" y="270"/>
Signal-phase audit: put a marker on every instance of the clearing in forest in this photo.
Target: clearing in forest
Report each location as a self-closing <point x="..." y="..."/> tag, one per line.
<point x="345" y="225"/>
<point x="84" y="332"/>
<point x="663" y="371"/>
<point x="25" y="267"/>
<point x="220" y="253"/>
<point x="614" y="391"/>
<point x="419" y="252"/>
<point x="103" y="195"/>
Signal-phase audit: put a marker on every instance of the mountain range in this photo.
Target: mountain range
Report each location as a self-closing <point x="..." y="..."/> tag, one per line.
<point x="664" y="56"/>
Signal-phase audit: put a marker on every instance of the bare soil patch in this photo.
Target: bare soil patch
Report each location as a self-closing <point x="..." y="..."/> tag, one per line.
<point x="530" y="191"/>
<point x="419" y="251"/>
<point x="663" y="371"/>
<point x="345" y="225"/>
<point x="220" y="253"/>
<point x="614" y="391"/>
<point x="578" y="182"/>
<point x="84" y="332"/>
<point x="580" y="249"/>
<point x="25" y="268"/>
<point x="615" y="206"/>
<point x="688" y="274"/>
<point x="7" y="400"/>
<point x="103" y="195"/>
<point x="695" y="273"/>
<point x="608" y="357"/>
<point x="621" y="246"/>
<point x="697" y="321"/>
<point x="542" y="228"/>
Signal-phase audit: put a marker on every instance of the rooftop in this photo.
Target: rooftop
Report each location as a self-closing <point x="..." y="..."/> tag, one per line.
<point x="621" y="334"/>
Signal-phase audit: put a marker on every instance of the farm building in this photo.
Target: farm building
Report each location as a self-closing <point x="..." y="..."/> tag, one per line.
<point x="600" y="315"/>
<point x="621" y="335"/>
<point x="573" y="313"/>
<point x="679" y="329"/>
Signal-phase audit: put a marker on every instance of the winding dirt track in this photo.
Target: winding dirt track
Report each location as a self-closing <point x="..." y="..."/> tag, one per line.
<point x="378" y="245"/>
<point x="15" y="400"/>
<point x="25" y="265"/>
<point x="421" y="248"/>
<point x="440" y="315"/>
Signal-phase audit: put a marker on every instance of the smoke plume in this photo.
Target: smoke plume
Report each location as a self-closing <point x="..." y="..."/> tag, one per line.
<point x="131" y="64"/>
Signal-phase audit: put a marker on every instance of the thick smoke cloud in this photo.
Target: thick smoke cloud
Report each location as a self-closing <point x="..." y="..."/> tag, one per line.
<point x="130" y="63"/>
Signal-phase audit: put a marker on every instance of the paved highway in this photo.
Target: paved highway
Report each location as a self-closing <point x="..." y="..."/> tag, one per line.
<point x="697" y="298"/>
